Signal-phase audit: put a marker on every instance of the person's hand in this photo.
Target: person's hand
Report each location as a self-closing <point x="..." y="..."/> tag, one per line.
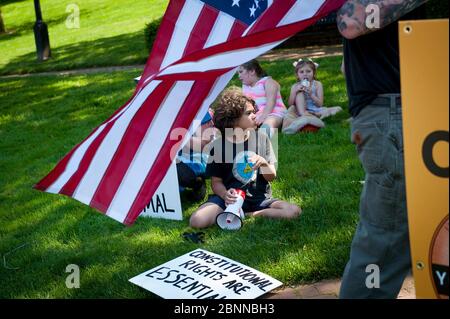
<point x="298" y="88"/>
<point x="307" y="90"/>
<point x="260" y="119"/>
<point x="258" y="161"/>
<point x="230" y="196"/>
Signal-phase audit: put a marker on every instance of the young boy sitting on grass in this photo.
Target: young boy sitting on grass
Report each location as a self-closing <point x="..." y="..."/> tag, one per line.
<point x="241" y="158"/>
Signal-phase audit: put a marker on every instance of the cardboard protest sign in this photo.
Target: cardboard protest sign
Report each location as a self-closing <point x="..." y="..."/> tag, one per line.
<point x="424" y="53"/>
<point x="201" y="274"/>
<point x="166" y="201"/>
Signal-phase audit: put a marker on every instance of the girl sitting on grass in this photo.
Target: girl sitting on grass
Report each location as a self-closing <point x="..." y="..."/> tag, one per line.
<point x="306" y="98"/>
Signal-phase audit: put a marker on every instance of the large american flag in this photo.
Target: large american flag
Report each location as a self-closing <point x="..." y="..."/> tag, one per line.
<point x="199" y="45"/>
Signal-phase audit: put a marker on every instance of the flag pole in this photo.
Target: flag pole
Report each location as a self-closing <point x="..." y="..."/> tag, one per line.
<point x="41" y="35"/>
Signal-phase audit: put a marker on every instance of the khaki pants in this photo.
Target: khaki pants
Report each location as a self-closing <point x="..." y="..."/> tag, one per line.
<point x="381" y="239"/>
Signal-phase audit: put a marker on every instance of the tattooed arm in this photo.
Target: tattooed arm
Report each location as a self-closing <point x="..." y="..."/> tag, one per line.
<point x="351" y="18"/>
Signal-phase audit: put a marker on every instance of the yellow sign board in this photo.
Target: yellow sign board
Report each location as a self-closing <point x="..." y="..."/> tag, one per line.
<point x="424" y="79"/>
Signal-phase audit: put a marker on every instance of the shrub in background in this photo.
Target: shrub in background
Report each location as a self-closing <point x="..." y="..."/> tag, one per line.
<point x="437" y="9"/>
<point x="323" y="33"/>
<point x="150" y="33"/>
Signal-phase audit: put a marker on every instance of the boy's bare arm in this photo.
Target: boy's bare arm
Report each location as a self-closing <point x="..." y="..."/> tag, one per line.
<point x="269" y="172"/>
<point x="352" y="16"/>
<point x="272" y="89"/>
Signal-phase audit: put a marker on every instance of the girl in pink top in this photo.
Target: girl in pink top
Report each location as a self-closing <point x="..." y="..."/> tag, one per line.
<point x="265" y="92"/>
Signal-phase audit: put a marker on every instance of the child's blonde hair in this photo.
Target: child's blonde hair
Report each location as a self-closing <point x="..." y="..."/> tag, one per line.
<point x="302" y="62"/>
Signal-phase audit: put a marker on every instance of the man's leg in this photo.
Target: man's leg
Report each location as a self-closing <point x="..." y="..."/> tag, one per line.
<point x="381" y="242"/>
<point x="378" y="264"/>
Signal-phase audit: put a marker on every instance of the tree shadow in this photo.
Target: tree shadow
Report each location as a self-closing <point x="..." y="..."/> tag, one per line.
<point x="126" y="49"/>
<point x="109" y="254"/>
<point x="6" y="2"/>
<point x="27" y="28"/>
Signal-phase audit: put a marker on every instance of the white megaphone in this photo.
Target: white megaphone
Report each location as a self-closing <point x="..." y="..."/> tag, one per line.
<point x="233" y="216"/>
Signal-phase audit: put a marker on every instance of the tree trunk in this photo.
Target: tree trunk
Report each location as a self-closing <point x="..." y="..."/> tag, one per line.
<point x="2" y="26"/>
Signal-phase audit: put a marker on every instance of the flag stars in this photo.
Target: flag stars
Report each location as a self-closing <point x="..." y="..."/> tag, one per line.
<point x="235" y="3"/>
<point x="257" y="4"/>
<point x="252" y="11"/>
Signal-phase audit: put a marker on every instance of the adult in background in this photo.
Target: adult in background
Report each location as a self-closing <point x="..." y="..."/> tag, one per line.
<point x="373" y="84"/>
<point x="265" y="91"/>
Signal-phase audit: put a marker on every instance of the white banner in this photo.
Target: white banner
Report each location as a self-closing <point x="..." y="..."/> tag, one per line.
<point x="166" y="201"/>
<point x="201" y="274"/>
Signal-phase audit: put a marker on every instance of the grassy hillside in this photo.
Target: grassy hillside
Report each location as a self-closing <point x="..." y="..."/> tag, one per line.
<point x="109" y="33"/>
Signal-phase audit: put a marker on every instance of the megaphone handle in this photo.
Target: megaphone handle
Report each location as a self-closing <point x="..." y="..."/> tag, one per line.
<point x="241" y="212"/>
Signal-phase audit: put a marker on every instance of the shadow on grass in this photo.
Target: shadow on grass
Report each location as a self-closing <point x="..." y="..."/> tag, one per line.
<point x="126" y="49"/>
<point x="69" y="233"/>
<point x="28" y="27"/>
<point x="6" y="2"/>
<point x="109" y="254"/>
<point x="40" y="102"/>
<point x="62" y="231"/>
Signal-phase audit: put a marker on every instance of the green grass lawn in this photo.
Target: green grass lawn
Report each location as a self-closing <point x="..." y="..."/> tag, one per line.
<point x="110" y="33"/>
<point x="42" y="118"/>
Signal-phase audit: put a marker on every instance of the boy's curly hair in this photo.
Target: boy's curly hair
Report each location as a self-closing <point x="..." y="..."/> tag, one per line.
<point x="230" y="107"/>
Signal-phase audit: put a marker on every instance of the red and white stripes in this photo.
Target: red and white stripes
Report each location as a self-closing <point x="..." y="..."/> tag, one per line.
<point x="189" y="26"/>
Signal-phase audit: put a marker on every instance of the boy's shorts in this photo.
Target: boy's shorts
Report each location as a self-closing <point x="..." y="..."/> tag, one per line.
<point x="248" y="206"/>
